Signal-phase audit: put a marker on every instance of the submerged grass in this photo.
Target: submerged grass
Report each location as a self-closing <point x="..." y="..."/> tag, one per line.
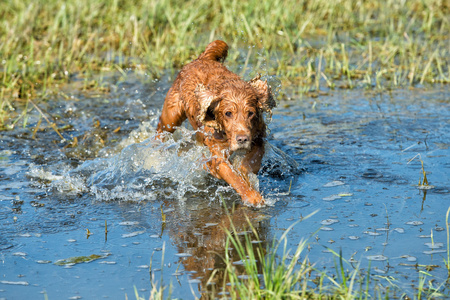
<point x="312" y="44"/>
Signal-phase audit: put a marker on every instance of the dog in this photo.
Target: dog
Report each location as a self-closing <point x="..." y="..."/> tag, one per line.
<point x="227" y="113"/>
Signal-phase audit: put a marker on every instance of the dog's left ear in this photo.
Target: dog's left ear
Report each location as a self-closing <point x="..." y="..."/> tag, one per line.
<point x="266" y="100"/>
<point x="207" y="101"/>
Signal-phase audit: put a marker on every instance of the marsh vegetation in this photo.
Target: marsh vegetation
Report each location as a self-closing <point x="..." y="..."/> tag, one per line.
<point x="310" y="45"/>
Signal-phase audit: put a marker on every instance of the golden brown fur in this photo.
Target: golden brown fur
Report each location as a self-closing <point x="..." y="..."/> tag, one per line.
<point x="227" y="111"/>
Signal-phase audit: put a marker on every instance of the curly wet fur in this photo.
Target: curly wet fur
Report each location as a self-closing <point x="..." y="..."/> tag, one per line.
<point x="227" y="111"/>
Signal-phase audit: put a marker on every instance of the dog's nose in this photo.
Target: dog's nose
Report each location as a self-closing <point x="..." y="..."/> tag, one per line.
<point x="242" y="138"/>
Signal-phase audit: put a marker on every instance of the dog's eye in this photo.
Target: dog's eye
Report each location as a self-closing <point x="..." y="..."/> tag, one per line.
<point x="228" y="114"/>
<point x="251" y="114"/>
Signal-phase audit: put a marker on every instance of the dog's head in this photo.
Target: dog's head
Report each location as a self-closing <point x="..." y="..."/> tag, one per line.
<point x="236" y="108"/>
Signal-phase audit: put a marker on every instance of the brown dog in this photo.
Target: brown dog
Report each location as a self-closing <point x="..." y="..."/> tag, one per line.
<point x="228" y="114"/>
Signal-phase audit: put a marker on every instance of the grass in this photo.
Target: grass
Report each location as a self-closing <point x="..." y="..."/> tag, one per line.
<point x="310" y="45"/>
<point x="263" y="273"/>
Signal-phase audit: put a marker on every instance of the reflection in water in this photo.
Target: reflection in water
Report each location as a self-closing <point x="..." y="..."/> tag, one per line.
<point x="202" y="238"/>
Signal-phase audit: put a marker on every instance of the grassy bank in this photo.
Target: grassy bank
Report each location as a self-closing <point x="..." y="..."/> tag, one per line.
<point x="312" y="44"/>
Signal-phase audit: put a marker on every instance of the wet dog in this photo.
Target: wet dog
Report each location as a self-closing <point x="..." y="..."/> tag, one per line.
<point x="227" y="113"/>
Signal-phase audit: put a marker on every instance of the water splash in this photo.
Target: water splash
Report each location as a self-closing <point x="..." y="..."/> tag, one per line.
<point x="152" y="170"/>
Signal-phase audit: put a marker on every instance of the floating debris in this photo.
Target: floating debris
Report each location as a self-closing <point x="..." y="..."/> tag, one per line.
<point x="379" y="271"/>
<point x="329" y="221"/>
<point x="14" y="282"/>
<point x="377" y="257"/>
<point x="129" y="223"/>
<point x="71" y="240"/>
<point x="414" y="223"/>
<point x="44" y="261"/>
<point x="353" y="237"/>
<point x="434" y="245"/>
<point x="399" y="230"/>
<point x="373" y="233"/>
<point x="25" y="235"/>
<point x="382" y="229"/>
<point x="105" y="262"/>
<point x="326" y="229"/>
<point x="19" y="254"/>
<point x="132" y="234"/>
<point x="143" y="267"/>
<point x="334" y="183"/>
<point x="435" y="251"/>
<point x="331" y="198"/>
<point x="80" y="259"/>
<point x="409" y="258"/>
<point x="183" y="254"/>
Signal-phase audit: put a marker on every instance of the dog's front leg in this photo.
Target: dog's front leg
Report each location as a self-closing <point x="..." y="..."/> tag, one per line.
<point x="221" y="168"/>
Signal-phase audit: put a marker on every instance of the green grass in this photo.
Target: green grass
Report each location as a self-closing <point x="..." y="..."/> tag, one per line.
<point x="310" y="45"/>
<point x="262" y="272"/>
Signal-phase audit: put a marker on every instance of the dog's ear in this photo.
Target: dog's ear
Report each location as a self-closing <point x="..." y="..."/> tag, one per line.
<point x="266" y="99"/>
<point x="208" y="102"/>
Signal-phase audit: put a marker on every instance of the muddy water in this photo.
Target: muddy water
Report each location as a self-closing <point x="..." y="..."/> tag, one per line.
<point x="346" y="155"/>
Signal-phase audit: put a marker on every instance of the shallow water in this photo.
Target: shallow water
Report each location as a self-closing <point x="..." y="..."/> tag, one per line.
<point x="346" y="155"/>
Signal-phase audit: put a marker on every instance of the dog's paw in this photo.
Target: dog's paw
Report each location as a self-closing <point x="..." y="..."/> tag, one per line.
<point x="253" y="198"/>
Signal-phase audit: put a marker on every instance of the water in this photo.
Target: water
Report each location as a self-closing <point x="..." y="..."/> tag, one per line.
<point x="353" y="156"/>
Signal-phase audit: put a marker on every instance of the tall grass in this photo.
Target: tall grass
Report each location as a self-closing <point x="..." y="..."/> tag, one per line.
<point x="265" y="276"/>
<point x="317" y="44"/>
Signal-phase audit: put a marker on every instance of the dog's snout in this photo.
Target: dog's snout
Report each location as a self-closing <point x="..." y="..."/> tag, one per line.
<point x="242" y="138"/>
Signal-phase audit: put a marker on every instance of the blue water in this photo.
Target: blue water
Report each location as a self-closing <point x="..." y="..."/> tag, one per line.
<point x="352" y="157"/>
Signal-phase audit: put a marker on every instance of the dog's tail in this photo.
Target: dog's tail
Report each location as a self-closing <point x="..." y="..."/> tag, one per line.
<point x="217" y="50"/>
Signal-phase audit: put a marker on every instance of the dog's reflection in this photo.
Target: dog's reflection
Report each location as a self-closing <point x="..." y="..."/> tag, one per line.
<point x="202" y="236"/>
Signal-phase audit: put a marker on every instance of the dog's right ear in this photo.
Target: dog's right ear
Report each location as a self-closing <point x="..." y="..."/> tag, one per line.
<point x="207" y="101"/>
